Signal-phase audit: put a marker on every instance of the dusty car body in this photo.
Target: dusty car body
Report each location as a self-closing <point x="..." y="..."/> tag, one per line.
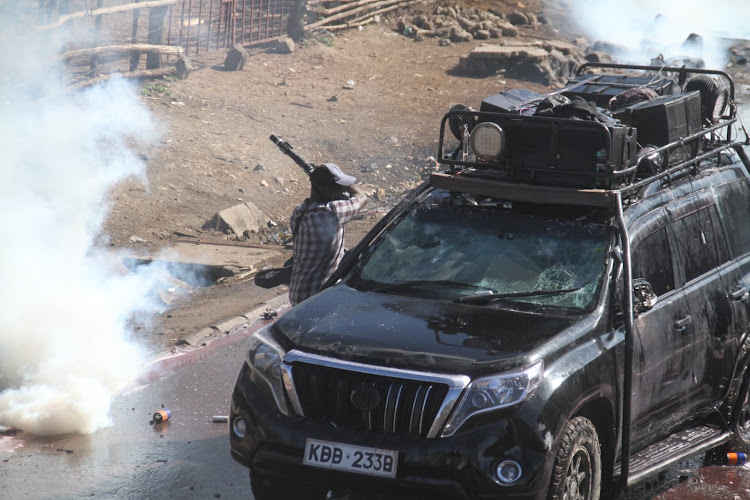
<point x="560" y="313"/>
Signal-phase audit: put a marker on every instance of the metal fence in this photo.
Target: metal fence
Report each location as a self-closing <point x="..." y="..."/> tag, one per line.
<point x="196" y="25"/>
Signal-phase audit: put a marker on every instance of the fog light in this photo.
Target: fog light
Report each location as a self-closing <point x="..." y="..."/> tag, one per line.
<point x="239" y="427"/>
<point x="487" y="140"/>
<point x="508" y="472"/>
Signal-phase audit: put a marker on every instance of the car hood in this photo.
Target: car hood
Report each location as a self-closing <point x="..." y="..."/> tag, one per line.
<point x="413" y="333"/>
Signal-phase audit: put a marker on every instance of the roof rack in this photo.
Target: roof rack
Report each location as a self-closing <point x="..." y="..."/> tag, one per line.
<point x="508" y="142"/>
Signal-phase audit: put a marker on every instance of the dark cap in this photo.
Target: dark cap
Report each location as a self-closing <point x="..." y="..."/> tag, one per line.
<point x="330" y="173"/>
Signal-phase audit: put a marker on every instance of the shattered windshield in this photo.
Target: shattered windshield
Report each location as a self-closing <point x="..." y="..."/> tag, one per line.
<point x="452" y="247"/>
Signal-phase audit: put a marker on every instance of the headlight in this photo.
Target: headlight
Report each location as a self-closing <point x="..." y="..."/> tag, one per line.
<point x="487" y="140"/>
<point x="265" y="357"/>
<point x="490" y="393"/>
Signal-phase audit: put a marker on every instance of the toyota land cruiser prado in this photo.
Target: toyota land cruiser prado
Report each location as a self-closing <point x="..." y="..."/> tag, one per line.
<point x="560" y="313"/>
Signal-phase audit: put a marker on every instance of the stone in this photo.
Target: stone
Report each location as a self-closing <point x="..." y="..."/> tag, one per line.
<point x="236" y="58"/>
<point x="518" y="18"/>
<point x="284" y="45"/>
<point x="459" y="35"/>
<point x="184" y="67"/>
<point x="241" y="219"/>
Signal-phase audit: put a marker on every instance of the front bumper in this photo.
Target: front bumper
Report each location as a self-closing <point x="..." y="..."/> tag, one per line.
<point x="460" y="466"/>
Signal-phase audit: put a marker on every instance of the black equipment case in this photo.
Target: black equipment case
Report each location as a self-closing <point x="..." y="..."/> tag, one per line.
<point x="602" y="88"/>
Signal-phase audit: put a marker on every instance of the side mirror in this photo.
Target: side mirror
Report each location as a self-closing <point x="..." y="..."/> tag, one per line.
<point x="644" y="297"/>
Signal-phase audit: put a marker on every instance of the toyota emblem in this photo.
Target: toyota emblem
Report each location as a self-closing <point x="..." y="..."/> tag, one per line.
<point x="365" y="398"/>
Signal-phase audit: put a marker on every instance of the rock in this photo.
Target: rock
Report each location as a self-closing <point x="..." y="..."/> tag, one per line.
<point x="508" y="29"/>
<point x="184" y="67"/>
<point x="236" y="58"/>
<point x="242" y="219"/>
<point x="380" y="194"/>
<point x="518" y="18"/>
<point x="560" y="46"/>
<point x="482" y="34"/>
<point x="496" y="13"/>
<point x="495" y="33"/>
<point x="444" y="42"/>
<point x="284" y="45"/>
<point x="459" y="35"/>
<point x="598" y="57"/>
<point x="542" y="18"/>
<point x="532" y="18"/>
<point x="531" y="71"/>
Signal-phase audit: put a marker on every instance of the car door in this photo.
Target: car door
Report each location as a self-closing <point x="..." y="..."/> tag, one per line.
<point x="733" y="204"/>
<point x="700" y="250"/>
<point x="663" y="334"/>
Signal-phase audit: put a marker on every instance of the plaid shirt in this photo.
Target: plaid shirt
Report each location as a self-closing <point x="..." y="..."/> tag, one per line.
<point x="318" y="230"/>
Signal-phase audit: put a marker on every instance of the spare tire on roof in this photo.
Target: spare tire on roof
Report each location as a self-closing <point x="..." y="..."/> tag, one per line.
<point x="714" y="97"/>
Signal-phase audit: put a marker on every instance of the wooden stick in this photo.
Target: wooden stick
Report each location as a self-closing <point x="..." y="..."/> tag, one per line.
<point x="346" y="6"/>
<point x="175" y="50"/>
<point x="321" y="2"/>
<point x="335" y="17"/>
<point x="107" y="10"/>
<point x="369" y="17"/>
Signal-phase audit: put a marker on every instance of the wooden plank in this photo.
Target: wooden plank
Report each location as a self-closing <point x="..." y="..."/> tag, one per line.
<point x="107" y="10"/>
<point x="128" y="47"/>
<point x="516" y="191"/>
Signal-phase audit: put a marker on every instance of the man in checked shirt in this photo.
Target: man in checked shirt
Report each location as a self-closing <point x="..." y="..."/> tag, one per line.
<point x="318" y="228"/>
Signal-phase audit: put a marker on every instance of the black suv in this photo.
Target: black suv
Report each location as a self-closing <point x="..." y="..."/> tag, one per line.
<point x="563" y="311"/>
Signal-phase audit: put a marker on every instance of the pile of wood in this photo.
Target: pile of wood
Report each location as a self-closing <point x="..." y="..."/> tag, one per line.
<point x="342" y="14"/>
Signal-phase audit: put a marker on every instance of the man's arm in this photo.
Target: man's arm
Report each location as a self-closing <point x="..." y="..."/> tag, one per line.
<point x="357" y="193"/>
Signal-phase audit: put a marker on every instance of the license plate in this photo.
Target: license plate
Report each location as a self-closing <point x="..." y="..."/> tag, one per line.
<point x="350" y="458"/>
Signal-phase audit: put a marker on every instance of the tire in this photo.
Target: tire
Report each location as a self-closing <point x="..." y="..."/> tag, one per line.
<point x="714" y="98"/>
<point x="577" y="473"/>
<point x="271" y="488"/>
<point x="740" y="426"/>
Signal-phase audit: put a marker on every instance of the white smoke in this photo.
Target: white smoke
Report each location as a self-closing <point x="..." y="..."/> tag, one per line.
<point x="648" y="28"/>
<point x="65" y="348"/>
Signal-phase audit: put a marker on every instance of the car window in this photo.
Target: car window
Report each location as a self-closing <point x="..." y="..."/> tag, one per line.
<point x="488" y="246"/>
<point x="700" y="247"/>
<point x="652" y="261"/>
<point x="733" y="200"/>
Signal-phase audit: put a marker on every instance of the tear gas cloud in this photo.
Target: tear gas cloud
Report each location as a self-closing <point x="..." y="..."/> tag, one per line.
<point x="648" y="28"/>
<point x="65" y="348"/>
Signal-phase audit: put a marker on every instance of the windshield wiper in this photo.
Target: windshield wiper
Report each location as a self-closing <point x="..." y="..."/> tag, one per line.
<point x="404" y="285"/>
<point x="499" y="296"/>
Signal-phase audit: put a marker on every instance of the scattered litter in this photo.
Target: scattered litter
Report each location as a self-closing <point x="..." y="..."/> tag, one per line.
<point x="270" y="314"/>
<point x="350" y="85"/>
<point x="333" y="99"/>
<point x="69" y="452"/>
<point x="220" y="419"/>
<point x="736" y="458"/>
<point x="162" y="416"/>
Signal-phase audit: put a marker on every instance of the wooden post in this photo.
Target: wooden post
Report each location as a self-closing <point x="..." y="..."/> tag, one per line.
<point x="157" y="18"/>
<point x="135" y="57"/>
<point x="94" y="61"/>
<point x="296" y="24"/>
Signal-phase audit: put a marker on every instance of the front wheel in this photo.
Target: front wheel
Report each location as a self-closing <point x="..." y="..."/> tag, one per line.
<point x="271" y="488"/>
<point x="577" y="474"/>
<point x="740" y="440"/>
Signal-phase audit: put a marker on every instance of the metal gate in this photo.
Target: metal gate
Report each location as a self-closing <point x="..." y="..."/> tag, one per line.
<point x="205" y="25"/>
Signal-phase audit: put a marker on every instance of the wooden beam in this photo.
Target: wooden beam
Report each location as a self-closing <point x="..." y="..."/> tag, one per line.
<point x="107" y="10"/>
<point x="172" y="50"/>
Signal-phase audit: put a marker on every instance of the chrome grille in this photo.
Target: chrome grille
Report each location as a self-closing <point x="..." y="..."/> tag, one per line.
<point x="405" y="407"/>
